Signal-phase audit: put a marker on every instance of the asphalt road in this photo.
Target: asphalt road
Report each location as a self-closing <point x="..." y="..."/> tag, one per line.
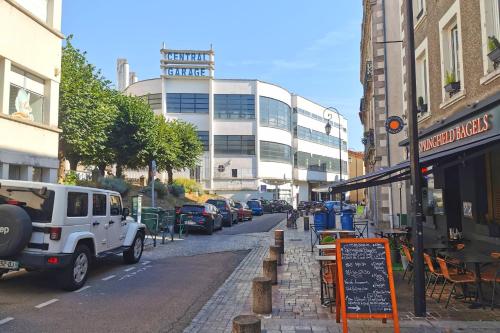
<point x="160" y="295"/>
<point x="259" y="224"/>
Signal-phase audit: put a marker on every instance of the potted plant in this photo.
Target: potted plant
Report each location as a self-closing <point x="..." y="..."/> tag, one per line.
<point x="494" y="50"/>
<point x="328" y="240"/>
<point x="422" y="106"/>
<point x="451" y="83"/>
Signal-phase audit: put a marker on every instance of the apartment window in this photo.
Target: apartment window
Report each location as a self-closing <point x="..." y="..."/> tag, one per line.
<point x="204" y="138"/>
<point x="154" y="101"/>
<point x="234" y="144"/>
<point x="275" y="152"/>
<point x="233" y="106"/>
<point x="274" y="113"/>
<point x="418" y="9"/>
<point x="422" y="79"/>
<point x="41" y="174"/>
<point x="451" y="52"/>
<point x="187" y="103"/>
<point x="26" y="96"/>
<point x="490" y="14"/>
<point x="14" y="172"/>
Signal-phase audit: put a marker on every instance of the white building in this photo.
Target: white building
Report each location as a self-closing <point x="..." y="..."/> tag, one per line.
<point x="260" y="140"/>
<point x="30" y="71"/>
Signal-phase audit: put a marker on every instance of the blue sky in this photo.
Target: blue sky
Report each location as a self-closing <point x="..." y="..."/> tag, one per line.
<point x="308" y="47"/>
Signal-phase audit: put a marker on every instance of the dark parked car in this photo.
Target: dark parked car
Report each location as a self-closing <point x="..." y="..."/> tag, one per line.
<point x="227" y="209"/>
<point x="256" y="207"/>
<point x="201" y="216"/>
<point x="244" y="212"/>
<point x="268" y="206"/>
<point x="282" y="206"/>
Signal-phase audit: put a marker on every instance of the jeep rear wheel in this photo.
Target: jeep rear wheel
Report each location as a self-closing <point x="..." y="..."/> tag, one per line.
<point x="75" y="275"/>
<point x="134" y="252"/>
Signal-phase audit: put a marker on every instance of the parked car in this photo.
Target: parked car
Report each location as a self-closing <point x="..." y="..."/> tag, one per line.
<point x="282" y="206"/>
<point x="268" y="206"/>
<point x="244" y="212"/>
<point x="63" y="228"/>
<point x="202" y="217"/>
<point x="256" y="207"/>
<point x="227" y="209"/>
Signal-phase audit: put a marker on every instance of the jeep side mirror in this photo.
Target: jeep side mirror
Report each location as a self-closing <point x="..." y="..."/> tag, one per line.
<point x="125" y="213"/>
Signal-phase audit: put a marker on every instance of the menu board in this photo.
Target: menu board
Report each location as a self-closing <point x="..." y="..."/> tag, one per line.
<point x="366" y="280"/>
<point x="365" y="286"/>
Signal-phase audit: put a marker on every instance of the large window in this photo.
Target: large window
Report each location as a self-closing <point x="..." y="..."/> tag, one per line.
<point x="232" y="106"/>
<point x="308" y="134"/>
<point x="26" y="96"/>
<point x="275" y="152"/>
<point x="313" y="162"/>
<point x="154" y="101"/>
<point x="234" y="144"/>
<point x="204" y="138"/>
<point x="422" y="78"/>
<point x="274" y="113"/>
<point x="187" y="103"/>
<point x="490" y="13"/>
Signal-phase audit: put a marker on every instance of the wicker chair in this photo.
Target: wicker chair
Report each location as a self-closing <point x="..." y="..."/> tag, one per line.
<point x="465" y="278"/>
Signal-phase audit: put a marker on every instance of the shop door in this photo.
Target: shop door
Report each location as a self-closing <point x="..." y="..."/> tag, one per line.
<point x="452" y="198"/>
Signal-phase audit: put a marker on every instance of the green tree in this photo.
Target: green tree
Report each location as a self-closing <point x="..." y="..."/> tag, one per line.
<point x="86" y="113"/>
<point x="190" y="148"/>
<point x="133" y="133"/>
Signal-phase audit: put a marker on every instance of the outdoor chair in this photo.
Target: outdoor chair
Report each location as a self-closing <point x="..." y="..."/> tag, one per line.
<point x="409" y="267"/>
<point x="492" y="275"/>
<point x="329" y="279"/>
<point x="454" y="279"/>
<point x="433" y="273"/>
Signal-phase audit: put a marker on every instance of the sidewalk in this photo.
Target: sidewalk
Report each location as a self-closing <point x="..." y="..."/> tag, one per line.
<point x="296" y="299"/>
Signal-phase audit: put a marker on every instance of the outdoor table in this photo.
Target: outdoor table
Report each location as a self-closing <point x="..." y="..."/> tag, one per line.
<point x="435" y="246"/>
<point x="361" y="226"/>
<point x="335" y="232"/>
<point x="321" y="260"/>
<point x="477" y="259"/>
<point x="391" y="232"/>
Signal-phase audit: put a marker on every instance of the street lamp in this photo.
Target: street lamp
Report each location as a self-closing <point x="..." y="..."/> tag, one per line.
<point x="328" y="129"/>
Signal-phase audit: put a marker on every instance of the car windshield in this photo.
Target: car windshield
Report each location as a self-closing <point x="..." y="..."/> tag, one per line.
<point x="37" y="204"/>
<point x="238" y="205"/>
<point x="217" y="203"/>
<point x="192" y="209"/>
<point x="253" y="204"/>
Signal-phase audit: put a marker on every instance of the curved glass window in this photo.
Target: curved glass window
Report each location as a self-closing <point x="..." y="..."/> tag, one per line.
<point x="187" y="103"/>
<point x="308" y="134"/>
<point x="313" y="162"/>
<point x="275" y="152"/>
<point x="234" y="106"/>
<point x="274" y="113"/>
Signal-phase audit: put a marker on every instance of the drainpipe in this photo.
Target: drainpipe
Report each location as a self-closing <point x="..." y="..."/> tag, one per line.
<point x="391" y="222"/>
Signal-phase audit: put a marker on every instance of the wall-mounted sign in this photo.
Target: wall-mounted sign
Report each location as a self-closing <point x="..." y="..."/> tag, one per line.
<point x="460" y="132"/>
<point x="187" y="63"/>
<point x="394" y="124"/>
<point x="467" y="209"/>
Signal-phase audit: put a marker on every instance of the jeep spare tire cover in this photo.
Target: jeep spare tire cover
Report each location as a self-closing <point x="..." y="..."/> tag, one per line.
<point x="15" y="230"/>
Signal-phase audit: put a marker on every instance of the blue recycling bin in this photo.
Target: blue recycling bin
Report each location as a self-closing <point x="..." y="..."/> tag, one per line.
<point x="347" y="219"/>
<point x="330" y="220"/>
<point x="320" y="220"/>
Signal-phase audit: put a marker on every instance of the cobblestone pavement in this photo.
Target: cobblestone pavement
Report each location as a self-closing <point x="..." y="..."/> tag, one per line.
<point x="296" y="306"/>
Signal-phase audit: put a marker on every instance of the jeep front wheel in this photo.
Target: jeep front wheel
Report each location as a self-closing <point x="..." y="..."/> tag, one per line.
<point x="75" y="275"/>
<point x="134" y="252"/>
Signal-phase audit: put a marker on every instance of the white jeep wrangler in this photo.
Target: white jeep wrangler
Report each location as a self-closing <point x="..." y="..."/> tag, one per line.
<point x="50" y="226"/>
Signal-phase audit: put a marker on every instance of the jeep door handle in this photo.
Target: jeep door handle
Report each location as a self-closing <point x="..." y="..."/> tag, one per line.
<point x="95" y="223"/>
<point x="111" y="222"/>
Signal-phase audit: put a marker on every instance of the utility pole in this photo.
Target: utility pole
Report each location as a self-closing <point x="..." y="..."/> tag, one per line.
<point x="416" y="173"/>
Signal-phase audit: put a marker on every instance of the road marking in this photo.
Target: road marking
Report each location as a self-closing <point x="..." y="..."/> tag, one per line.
<point x="129" y="269"/>
<point x="82" y="289"/>
<point x="146" y="262"/>
<point x="108" y="277"/>
<point x="6" y="320"/>
<point x="44" y="304"/>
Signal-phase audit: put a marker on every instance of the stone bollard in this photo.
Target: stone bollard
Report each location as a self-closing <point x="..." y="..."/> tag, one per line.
<point x="270" y="270"/>
<point x="275" y="254"/>
<point x="279" y="240"/>
<point x="306" y="223"/>
<point x="246" y="324"/>
<point x="262" y="302"/>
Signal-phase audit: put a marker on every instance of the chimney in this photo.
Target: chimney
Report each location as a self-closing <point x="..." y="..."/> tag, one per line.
<point x="132" y="78"/>
<point x="122" y="73"/>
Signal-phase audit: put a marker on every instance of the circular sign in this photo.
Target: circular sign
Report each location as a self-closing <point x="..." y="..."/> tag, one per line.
<point x="394" y="124"/>
<point x="221" y="168"/>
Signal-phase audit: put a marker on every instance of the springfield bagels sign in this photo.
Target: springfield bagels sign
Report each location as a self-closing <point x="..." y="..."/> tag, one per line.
<point x="457" y="133"/>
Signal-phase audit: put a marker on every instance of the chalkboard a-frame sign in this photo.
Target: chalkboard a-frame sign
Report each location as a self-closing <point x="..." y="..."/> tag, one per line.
<point x="366" y="284"/>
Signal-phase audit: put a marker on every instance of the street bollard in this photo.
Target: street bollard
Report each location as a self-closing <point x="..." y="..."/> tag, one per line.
<point x="246" y="324"/>
<point x="301" y="213"/>
<point x="306" y="223"/>
<point x="279" y="240"/>
<point x="270" y="270"/>
<point x="262" y="302"/>
<point x="275" y="254"/>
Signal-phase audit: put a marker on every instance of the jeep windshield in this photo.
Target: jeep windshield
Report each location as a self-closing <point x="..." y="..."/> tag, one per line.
<point x="38" y="204"/>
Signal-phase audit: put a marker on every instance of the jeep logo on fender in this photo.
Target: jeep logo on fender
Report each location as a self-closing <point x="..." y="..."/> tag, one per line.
<point x="4" y="230"/>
